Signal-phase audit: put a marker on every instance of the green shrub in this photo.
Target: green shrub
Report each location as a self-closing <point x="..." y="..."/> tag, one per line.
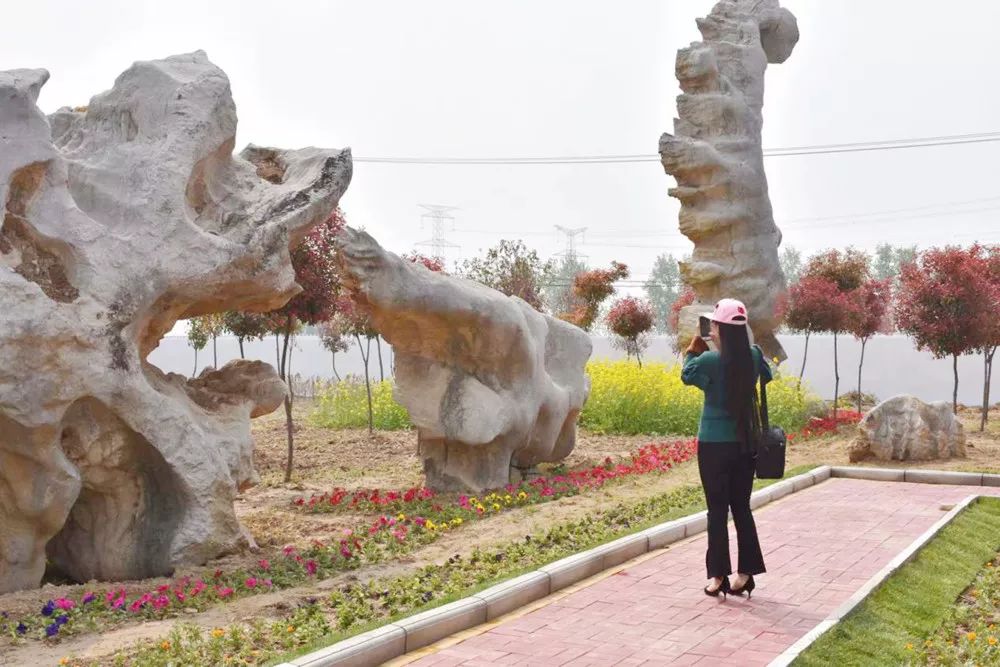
<point x="345" y="405"/>
<point x="627" y="399"/>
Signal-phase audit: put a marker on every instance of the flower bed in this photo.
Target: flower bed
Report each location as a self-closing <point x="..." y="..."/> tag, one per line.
<point x="651" y="458"/>
<point x="356" y="607"/>
<point x="971" y="633"/>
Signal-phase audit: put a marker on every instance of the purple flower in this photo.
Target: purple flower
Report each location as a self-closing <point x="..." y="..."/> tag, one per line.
<point x="88" y="598"/>
<point x="21" y="628"/>
<point x="49" y="607"/>
<point x="62" y="620"/>
<point x="52" y="630"/>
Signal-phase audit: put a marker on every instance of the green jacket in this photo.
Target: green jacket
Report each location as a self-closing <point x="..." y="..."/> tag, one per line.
<point x="705" y="372"/>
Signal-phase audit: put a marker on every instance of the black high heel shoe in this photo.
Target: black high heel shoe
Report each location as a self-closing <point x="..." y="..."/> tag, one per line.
<point x="723" y="588"/>
<point x="747" y="587"/>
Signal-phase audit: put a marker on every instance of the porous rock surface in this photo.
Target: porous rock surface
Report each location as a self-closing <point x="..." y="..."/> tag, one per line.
<point x="904" y="428"/>
<point x="716" y="158"/>
<point x="119" y="219"/>
<point x="492" y="386"/>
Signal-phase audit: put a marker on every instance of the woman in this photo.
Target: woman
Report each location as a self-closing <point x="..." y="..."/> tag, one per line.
<point x="729" y="420"/>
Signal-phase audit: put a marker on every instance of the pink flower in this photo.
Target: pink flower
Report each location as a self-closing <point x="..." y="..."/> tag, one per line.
<point x="65" y="604"/>
<point x="161" y="602"/>
<point x="198" y="587"/>
<point x="311" y="567"/>
<point x="223" y="592"/>
<point x="251" y="582"/>
<point x="264" y="564"/>
<point x="163" y="589"/>
<point x="288" y="550"/>
<point x="268" y="583"/>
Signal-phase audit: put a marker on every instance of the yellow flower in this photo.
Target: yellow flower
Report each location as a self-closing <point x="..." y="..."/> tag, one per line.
<point x="522" y="495"/>
<point x="401" y="517"/>
<point x="909" y="647"/>
<point x="218" y="632"/>
<point x="971" y="636"/>
<point x="496" y="507"/>
<point x="480" y="508"/>
<point x="64" y="661"/>
<point x="444" y="526"/>
<point x="473" y="500"/>
<point x="507" y="498"/>
<point x="928" y="643"/>
<point x="165" y="645"/>
<point x="992" y="641"/>
<point x="990" y="626"/>
<point x="457" y="521"/>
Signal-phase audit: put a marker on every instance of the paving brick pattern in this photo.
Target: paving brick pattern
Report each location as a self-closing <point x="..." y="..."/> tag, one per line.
<point x="820" y="546"/>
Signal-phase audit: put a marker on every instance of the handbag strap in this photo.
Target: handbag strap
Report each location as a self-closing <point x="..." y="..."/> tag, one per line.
<point x="763" y="396"/>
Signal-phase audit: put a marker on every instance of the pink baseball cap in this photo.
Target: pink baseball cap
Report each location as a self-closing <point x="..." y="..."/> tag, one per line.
<point x="729" y="311"/>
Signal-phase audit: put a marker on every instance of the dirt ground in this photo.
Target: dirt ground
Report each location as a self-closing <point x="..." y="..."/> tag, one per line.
<point x="354" y="460"/>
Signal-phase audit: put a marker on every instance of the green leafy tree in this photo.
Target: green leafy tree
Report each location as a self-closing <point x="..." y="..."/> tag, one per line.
<point x="213" y="326"/>
<point x="197" y="338"/>
<point x="889" y="259"/>
<point x="662" y="289"/>
<point x="333" y="335"/>
<point x="791" y="264"/>
<point x="247" y="326"/>
<point x="512" y="268"/>
<point x="557" y="292"/>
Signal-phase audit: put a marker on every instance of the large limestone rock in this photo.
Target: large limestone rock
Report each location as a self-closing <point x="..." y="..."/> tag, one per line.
<point x="493" y="386"/>
<point x="904" y="428"/>
<point x="715" y="156"/>
<point x="119" y="220"/>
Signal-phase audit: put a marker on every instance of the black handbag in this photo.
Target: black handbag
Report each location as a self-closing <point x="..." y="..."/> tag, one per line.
<point x="770" y="457"/>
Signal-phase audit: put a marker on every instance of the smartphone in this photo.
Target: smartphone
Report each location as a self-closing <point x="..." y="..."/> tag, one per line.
<point x="704" y="327"/>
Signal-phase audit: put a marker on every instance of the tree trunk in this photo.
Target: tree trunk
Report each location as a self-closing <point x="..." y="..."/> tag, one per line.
<point x="805" y="353"/>
<point x="378" y="348"/>
<point x="242" y="355"/>
<point x="987" y="372"/>
<point x="368" y="385"/>
<point x="333" y="362"/>
<point x="637" y="357"/>
<point x="283" y="372"/>
<point x="864" y="341"/>
<point x="194" y="373"/>
<point x="954" y="393"/>
<point x="215" y="354"/>
<point x="277" y="353"/>
<point x="836" y="376"/>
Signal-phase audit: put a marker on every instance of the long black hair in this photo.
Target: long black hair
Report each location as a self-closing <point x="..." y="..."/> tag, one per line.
<point x="739" y="381"/>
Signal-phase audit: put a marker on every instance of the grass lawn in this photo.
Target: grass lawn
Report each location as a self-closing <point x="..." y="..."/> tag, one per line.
<point x="893" y="625"/>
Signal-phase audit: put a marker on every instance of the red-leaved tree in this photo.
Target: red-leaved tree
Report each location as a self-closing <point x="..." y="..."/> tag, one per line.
<point x="808" y="301"/>
<point x="590" y="289"/>
<point x="317" y="273"/>
<point x="991" y="333"/>
<point x="872" y="300"/>
<point x="435" y="264"/>
<point x="630" y="319"/>
<point x="945" y="303"/>
<point x="846" y="271"/>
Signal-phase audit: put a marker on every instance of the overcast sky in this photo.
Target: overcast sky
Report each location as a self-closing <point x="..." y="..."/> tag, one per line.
<point x="570" y="77"/>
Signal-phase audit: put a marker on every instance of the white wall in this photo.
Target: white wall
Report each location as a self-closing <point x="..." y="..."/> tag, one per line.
<point x="892" y="364"/>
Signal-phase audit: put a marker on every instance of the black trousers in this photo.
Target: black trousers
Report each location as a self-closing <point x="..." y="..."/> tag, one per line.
<point x="727" y="477"/>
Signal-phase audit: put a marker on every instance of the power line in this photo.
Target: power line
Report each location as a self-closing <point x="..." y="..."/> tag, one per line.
<point x="818" y="149"/>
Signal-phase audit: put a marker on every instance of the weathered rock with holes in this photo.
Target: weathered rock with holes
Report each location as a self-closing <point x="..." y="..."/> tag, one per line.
<point x="716" y="157"/>
<point x="904" y="428"/>
<point x="120" y="219"/>
<point x="493" y="386"/>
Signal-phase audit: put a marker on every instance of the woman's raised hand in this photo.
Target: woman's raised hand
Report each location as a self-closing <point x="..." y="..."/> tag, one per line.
<point x="697" y="346"/>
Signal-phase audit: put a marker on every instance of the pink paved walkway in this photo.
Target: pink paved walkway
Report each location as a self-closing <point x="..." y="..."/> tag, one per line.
<point x="820" y="545"/>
